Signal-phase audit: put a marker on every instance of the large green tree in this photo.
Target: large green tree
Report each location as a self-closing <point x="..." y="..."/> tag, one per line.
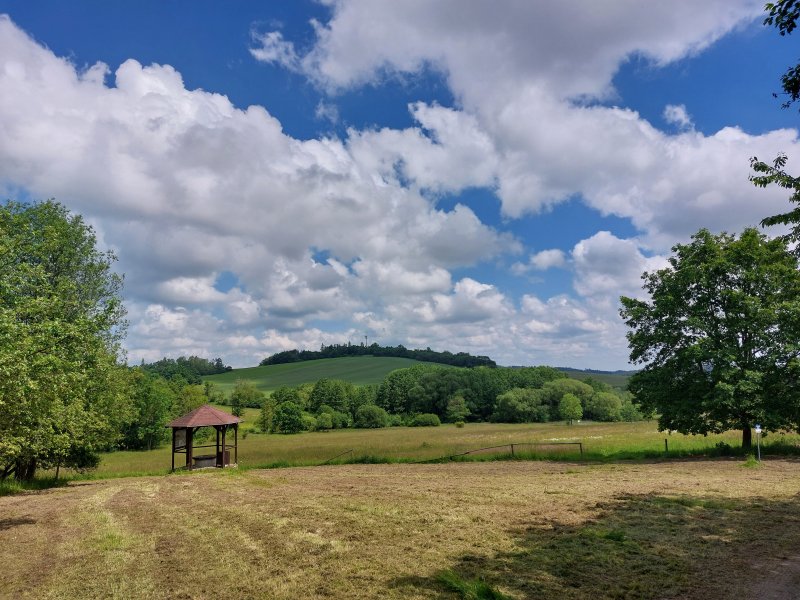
<point x="63" y="395"/>
<point x="718" y="337"/>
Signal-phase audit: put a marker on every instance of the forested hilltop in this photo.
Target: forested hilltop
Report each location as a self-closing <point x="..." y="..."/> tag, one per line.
<point x="460" y="359"/>
<point x="192" y="369"/>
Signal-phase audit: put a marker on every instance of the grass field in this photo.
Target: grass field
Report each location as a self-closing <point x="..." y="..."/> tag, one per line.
<point x="601" y="441"/>
<point x="360" y="370"/>
<point x="703" y="529"/>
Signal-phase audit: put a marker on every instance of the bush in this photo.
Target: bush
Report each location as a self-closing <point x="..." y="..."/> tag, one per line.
<point x="245" y="394"/>
<point x="426" y="420"/>
<point x="370" y="416"/>
<point x="309" y="421"/>
<point x="324" y="421"/>
<point x="520" y="405"/>
<point x="340" y="420"/>
<point x="396" y="421"/>
<point x="459" y="424"/>
<point x="288" y="418"/>
<point x="630" y="412"/>
<point x="604" y="406"/>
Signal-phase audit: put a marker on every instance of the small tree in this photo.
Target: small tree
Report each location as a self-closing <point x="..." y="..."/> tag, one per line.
<point x="570" y="408"/>
<point x="457" y="409"/>
<point x="152" y="403"/>
<point x="288" y="418"/>
<point x="266" y="414"/>
<point x="245" y="394"/>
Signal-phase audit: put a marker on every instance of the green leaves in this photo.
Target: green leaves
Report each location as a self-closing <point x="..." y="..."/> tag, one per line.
<point x="717" y="334"/>
<point x="61" y="318"/>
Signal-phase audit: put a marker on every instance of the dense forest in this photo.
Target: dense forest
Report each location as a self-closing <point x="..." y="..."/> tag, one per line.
<point x="460" y="359"/>
<point x="191" y="369"/>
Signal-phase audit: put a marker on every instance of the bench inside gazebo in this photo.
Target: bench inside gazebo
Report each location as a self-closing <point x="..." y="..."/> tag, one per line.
<point x="184" y="428"/>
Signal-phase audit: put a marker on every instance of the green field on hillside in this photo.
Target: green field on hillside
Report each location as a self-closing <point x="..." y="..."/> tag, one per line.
<point x="359" y="370"/>
<point x="615" y="380"/>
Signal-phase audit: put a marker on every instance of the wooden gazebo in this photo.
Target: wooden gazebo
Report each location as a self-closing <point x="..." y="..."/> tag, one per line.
<point x="183" y="429"/>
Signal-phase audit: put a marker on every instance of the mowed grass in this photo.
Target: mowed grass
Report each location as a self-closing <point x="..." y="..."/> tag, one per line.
<point x="700" y="529"/>
<point x="601" y="441"/>
<point x="359" y="370"/>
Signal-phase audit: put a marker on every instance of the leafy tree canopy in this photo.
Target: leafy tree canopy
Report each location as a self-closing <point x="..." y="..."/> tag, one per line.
<point x="63" y="397"/>
<point x="718" y="336"/>
<point x="569" y="408"/>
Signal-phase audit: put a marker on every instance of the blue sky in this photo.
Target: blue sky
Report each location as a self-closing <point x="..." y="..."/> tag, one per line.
<point x="476" y="177"/>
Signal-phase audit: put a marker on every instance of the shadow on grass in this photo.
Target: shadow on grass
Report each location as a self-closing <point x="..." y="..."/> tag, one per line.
<point x="10" y="523"/>
<point x="12" y="486"/>
<point x="644" y="547"/>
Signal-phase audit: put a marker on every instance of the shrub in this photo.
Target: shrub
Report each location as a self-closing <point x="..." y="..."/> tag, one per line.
<point x="288" y="418"/>
<point x="521" y="405"/>
<point x="370" y="416"/>
<point x="324" y="421"/>
<point x="245" y="394"/>
<point x="340" y="420"/>
<point x="309" y="421"/>
<point x="395" y="421"/>
<point x="630" y="412"/>
<point x="459" y="424"/>
<point x="604" y="406"/>
<point x="426" y="420"/>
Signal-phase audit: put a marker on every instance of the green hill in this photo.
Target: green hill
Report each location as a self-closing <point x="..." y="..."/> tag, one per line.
<point x="360" y="370"/>
<point x="616" y="379"/>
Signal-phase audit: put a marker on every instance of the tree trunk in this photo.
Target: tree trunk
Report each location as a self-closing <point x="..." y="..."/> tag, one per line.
<point x="747" y="438"/>
<point x="26" y="469"/>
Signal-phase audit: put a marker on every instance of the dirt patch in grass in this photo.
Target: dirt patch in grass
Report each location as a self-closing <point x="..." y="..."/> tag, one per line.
<point x="692" y="529"/>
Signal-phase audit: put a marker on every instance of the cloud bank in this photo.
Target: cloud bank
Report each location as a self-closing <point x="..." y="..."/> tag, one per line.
<point x="329" y="238"/>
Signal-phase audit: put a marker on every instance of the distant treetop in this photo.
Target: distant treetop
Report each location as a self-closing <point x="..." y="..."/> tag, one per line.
<point x="460" y="359"/>
<point x="191" y="368"/>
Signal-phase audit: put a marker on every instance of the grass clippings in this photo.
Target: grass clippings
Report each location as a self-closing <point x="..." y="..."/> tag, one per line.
<point x="700" y="529"/>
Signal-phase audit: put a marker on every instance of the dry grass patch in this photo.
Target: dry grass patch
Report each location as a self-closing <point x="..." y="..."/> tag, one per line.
<point x="693" y="529"/>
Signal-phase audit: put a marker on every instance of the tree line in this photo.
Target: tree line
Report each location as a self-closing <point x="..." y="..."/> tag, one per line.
<point x="459" y="359"/>
<point x="431" y="394"/>
<point x="192" y="369"/>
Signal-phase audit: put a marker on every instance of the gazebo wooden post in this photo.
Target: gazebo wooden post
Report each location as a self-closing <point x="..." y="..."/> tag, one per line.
<point x="236" y="444"/>
<point x="224" y="430"/>
<point x="220" y="461"/>
<point x="189" y="443"/>
<point x="173" y="449"/>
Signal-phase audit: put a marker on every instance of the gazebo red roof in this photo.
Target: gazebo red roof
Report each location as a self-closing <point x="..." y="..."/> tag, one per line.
<point x="204" y="416"/>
